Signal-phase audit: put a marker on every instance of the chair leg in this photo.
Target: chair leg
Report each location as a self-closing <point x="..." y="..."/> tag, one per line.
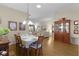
<point x="41" y="52"/>
<point x="28" y="51"/>
<point x="36" y="52"/>
<point x="33" y="51"/>
<point x="21" y="51"/>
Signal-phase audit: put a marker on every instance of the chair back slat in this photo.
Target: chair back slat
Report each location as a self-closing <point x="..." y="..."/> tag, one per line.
<point x="40" y="39"/>
<point x="18" y="39"/>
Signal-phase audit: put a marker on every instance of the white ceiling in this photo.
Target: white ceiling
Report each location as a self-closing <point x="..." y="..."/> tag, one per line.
<point x="48" y="10"/>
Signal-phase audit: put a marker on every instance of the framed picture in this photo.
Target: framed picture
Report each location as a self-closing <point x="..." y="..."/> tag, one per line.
<point x="76" y="22"/>
<point x="31" y="28"/>
<point x="12" y="25"/>
<point x="75" y="27"/>
<point x="22" y="26"/>
<point x="75" y="31"/>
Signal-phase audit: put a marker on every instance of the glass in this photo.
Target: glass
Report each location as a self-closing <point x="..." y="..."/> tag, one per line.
<point x="61" y="27"/>
<point x="67" y="27"/>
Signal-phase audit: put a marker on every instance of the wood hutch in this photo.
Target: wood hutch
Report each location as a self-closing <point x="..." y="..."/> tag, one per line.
<point x="62" y="30"/>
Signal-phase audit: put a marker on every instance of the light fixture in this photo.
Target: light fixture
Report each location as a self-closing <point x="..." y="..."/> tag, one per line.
<point x="38" y="6"/>
<point x="30" y="23"/>
<point x="36" y="25"/>
<point x="24" y="22"/>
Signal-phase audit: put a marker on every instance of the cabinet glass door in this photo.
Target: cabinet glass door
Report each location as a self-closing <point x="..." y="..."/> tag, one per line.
<point x="61" y="27"/>
<point x="66" y="27"/>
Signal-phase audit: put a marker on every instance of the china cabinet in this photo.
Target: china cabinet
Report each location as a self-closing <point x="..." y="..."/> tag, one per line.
<point x="62" y="30"/>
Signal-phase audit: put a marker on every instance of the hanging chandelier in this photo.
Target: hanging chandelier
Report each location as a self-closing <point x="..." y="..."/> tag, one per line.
<point x="27" y="18"/>
<point x="28" y="21"/>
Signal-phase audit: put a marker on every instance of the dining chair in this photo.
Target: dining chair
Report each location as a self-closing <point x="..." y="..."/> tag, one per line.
<point x="36" y="47"/>
<point x="20" y="48"/>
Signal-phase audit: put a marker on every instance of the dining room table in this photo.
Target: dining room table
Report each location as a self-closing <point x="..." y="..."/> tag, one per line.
<point x="28" y="39"/>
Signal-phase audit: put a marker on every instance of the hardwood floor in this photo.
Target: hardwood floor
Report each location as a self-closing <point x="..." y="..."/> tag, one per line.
<point x="53" y="48"/>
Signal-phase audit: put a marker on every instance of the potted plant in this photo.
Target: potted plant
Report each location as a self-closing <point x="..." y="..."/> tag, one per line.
<point x="3" y="31"/>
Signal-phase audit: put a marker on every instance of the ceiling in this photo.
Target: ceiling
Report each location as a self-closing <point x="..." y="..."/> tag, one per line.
<point x="48" y="10"/>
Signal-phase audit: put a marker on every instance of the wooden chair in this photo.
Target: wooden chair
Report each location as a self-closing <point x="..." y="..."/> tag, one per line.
<point x="36" y="47"/>
<point x="20" y="49"/>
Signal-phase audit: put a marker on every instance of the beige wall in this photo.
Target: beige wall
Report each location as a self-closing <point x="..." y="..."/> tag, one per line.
<point x="8" y="14"/>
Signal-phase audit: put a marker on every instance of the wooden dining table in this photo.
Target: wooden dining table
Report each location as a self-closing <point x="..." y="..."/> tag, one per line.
<point x="27" y="40"/>
<point x="4" y="46"/>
